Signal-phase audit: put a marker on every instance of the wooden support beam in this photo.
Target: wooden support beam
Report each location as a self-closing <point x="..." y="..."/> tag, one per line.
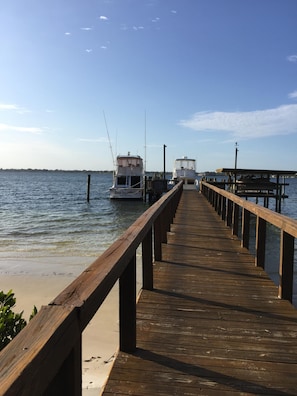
<point x="157" y="239"/>
<point x="229" y="213"/>
<point x="235" y="219"/>
<point x="147" y="262"/>
<point x="260" y="242"/>
<point x="245" y="228"/>
<point x="128" y="307"/>
<point x="286" y="267"/>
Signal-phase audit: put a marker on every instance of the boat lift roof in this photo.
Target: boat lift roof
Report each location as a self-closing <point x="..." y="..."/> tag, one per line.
<point x="233" y="171"/>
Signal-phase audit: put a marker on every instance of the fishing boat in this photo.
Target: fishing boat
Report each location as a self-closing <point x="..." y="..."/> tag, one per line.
<point x="128" y="179"/>
<point x="184" y="169"/>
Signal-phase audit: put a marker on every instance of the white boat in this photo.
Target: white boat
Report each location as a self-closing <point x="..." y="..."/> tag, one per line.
<point x="128" y="179"/>
<point x="184" y="169"/>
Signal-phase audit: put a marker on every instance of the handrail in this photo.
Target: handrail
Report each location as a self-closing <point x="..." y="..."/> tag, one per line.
<point x="45" y="358"/>
<point x="228" y="206"/>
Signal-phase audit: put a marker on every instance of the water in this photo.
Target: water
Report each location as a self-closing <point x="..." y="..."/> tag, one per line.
<point x="46" y="214"/>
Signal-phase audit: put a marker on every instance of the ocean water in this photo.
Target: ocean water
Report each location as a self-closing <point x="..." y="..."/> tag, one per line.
<point x="46" y="214"/>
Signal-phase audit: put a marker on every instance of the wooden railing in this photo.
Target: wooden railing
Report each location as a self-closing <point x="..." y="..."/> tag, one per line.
<point x="46" y="358"/>
<point x="236" y="211"/>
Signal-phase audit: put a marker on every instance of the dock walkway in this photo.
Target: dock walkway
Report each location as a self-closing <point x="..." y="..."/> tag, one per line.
<point x="213" y="325"/>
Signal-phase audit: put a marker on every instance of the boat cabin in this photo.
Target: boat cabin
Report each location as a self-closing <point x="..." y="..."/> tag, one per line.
<point x="184" y="169"/>
<point x="128" y="178"/>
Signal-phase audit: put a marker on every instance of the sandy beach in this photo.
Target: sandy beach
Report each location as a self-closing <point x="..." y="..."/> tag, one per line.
<point x="38" y="281"/>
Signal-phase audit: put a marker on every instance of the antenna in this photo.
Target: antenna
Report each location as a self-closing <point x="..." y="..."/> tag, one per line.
<point x="109" y="139"/>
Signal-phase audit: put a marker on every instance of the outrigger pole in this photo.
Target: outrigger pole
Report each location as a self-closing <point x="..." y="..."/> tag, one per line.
<point x="110" y="146"/>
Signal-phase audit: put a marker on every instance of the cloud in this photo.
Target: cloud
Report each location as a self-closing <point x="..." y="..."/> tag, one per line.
<point x="67" y="34"/>
<point x="246" y="125"/>
<point x="138" y="27"/>
<point x="173" y="12"/>
<point x="32" y="130"/>
<point x="14" y="107"/>
<point x="89" y="50"/>
<point x="100" y="140"/>
<point x="103" y="18"/>
<point x="86" y="28"/>
<point x="4" y="106"/>
<point x="292" y="58"/>
<point x="293" y="95"/>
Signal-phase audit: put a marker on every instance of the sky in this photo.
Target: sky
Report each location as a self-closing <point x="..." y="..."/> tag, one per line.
<point x="82" y="81"/>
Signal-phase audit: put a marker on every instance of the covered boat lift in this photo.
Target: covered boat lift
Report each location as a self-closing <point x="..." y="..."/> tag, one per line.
<point x="257" y="183"/>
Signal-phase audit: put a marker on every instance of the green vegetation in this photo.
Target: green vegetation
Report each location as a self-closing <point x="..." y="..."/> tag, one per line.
<point x="10" y="323"/>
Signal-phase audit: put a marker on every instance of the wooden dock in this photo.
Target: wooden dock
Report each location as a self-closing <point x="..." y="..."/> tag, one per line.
<point x="213" y="324"/>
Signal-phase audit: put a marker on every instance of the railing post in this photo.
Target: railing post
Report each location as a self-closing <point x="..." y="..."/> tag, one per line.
<point x="286" y="267"/>
<point x="165" y="223"/>
<point x="147" y="262"/>
<point x="157" y="239"/>
<point x="229" y="212"/>
<point x="260" y="242"/>
<point x="235" y="219"/>
<point x="219" y="204"/>
<point x="212" y="198"/>
<point x="245" y="230"/>
<point x="127" y="286"/>
<point x="223" y="208"/>
<point x="68" y="380"/>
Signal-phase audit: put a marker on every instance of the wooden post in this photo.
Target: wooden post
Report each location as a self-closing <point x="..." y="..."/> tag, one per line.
<point x="229" y="212"/>
<point x="219" y="204"/>
<point x="158" y="240"/>
<point x="245" y="230"/>
<point x="88" y="188"/>
<point x="68" y="381"/>
<point x="223" y="208"/>
<point x="147" y="262"/>
<point x="164" y="161"/>
<point x="164" y="224"/>
<point x="128" y="307"/>
<point x="235" y="219"/>
<point x="286" y="267"/>
<point x="215" y="200"/>
<point x="260" y="242"/>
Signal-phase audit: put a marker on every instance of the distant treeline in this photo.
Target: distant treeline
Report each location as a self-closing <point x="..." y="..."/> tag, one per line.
<point x="55" y="170"/>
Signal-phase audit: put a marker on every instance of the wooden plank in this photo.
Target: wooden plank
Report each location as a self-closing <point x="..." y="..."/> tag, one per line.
<point x="213" y="324"/>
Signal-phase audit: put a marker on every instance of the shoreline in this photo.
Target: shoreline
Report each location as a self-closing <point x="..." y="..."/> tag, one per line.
<point x="37" y="281"/>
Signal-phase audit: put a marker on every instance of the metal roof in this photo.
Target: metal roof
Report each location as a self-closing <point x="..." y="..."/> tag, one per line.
<point x="257" y="171"/>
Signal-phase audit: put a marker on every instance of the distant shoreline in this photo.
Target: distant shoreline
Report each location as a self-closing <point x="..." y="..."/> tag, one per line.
<point x="54" y="170"/>
<point x="69" y="170"/>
